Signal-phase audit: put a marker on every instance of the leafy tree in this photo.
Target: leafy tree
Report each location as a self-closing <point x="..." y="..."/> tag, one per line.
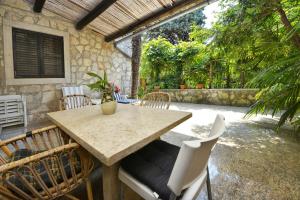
<point x="261" y="38"/>
<point x="254" y="43"/>
<point x="178" y="29"/>
<point x="156" y="59"/>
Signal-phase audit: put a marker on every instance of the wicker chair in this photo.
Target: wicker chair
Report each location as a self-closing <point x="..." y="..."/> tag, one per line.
<point x="156" y="100"/>
<point x="43" y="164"/>
<point x="74" y="101"/>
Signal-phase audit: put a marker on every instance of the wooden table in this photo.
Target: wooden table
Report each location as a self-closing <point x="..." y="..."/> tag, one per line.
<point x="110" y="138"/>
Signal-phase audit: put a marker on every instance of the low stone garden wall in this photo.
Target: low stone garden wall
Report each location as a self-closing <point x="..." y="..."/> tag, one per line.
<point x="231" y="97"/>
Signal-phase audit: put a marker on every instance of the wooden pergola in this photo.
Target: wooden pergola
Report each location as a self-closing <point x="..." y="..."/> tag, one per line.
<point x="118" y="18"/>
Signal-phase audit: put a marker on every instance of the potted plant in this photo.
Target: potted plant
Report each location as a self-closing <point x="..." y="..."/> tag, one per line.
<point x="108" y="103"/>
<point x="201" y="78"/>
<point x="199" y="86"/>
<point x="182" y="81"/>
<point x="182" y="86"/>
<point x="156" y="88"/>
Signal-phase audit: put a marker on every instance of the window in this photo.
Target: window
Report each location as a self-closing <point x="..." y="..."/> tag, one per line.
<point x="37" y="55"/>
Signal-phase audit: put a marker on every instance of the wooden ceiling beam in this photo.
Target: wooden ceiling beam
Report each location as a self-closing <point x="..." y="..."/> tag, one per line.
<point x="160" y="16"/>
<point x="98" y="10"/>
<point x="38" y="5"/>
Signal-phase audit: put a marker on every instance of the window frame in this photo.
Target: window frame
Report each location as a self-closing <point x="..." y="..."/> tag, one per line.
<point x="10" y="78"/>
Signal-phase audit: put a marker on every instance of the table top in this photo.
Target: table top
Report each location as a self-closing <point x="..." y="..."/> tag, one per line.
<point x="113" y="137"/>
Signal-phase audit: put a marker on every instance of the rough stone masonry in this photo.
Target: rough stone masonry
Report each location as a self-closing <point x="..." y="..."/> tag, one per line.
<point x="88" y="52"/>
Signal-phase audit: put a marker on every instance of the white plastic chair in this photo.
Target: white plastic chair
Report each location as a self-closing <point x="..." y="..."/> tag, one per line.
<point x="189" y="172"/>
<point x="12" y="110"/>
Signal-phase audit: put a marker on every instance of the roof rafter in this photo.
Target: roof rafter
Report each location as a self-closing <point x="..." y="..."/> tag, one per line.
<point x="38" y="5"/>
<point x="98" y="10"/>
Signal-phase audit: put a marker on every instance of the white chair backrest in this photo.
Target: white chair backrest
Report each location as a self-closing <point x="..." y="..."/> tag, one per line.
<point x="74" y="101"/>
<point x="12" y="110"/>
<point x="193" y="157"/>
<point x="77" y="90"/>
<point x="69" y="91"/>
<point x="117" y="96"/>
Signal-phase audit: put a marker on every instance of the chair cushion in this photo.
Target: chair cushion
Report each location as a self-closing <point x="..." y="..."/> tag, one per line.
<point x="127" y="101"/>
<point x="123" y="101"/>
<point x="153" y="165"/>
<point x="14" y="179"/>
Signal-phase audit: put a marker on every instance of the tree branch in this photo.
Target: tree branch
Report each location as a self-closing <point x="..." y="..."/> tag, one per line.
<point x="287" y="24"/>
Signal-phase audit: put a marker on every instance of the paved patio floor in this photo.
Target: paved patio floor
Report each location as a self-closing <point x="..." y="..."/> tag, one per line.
<point x="251" y="160"/>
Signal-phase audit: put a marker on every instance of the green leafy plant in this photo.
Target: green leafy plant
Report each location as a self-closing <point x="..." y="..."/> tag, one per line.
<point x="102" y="85"/>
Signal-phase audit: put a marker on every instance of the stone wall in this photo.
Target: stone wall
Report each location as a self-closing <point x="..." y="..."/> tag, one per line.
<point x="88" y="52"/>
<point x="232" y="97"/>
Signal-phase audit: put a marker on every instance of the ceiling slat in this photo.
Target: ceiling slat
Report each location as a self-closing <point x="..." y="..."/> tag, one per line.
<point x="116" y="18"/>
<point x="98" y="10"/>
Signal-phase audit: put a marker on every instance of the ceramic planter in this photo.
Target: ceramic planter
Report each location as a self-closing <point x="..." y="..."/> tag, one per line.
<point x="200" y="86"/>
<point x="156" y="88"/>
<point x="109" y="108"/>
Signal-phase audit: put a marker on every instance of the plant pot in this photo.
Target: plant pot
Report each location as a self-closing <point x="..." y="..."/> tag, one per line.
<point x="182" y="87"/>
<point x="156" y="88"/>
<point x="143" y="83"/>
<point x="109" y="108"/>
<point x="200" y="86"/>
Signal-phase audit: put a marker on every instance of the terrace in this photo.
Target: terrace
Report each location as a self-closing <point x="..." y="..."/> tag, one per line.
<point x="47" y="47"/>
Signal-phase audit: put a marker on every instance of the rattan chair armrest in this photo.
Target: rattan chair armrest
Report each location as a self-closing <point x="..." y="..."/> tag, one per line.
<point x="20" y="137"/>
<point x="38" y="156"/>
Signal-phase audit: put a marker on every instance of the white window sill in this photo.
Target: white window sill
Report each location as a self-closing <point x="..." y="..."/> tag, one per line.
<point x="32" y="81"/>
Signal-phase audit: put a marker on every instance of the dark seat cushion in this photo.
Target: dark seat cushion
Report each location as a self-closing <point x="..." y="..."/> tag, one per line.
<point x="41" y="170"/>
<point x="153" y="165"/>
<point x="123" y="101"/>
<point x="126" y="101"/>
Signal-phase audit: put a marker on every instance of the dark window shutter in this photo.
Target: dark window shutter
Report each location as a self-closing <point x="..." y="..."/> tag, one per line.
<point x="53" y="56"/>
<point x="25" y="48"/>
<point x="37" y="55"/>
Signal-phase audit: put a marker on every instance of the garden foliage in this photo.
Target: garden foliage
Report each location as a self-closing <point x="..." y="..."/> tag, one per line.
<point x="254" y="43"/>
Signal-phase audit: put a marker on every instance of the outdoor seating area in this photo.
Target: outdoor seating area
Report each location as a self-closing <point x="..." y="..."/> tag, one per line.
<point x="149" y="99"/>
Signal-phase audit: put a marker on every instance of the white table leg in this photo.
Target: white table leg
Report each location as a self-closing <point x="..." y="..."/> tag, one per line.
<point x="111" y="182"/>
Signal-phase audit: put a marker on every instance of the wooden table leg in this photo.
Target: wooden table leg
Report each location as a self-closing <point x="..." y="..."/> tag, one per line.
<point x="111" y="182"/>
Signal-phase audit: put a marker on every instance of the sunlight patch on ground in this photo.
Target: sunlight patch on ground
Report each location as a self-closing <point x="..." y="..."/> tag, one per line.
<point x="204" y="116"/>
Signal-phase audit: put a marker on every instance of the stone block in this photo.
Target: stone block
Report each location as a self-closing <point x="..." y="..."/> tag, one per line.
<point x="30" y="89"/>
<point x="74" y="41"/>
<point x="43" y="22"/>
<point x="48" y="87"/>
<point x="83" y="41"/>
<point x="79" y="48"/>
<point x="28" y="19"/>
<point x="87" y="62"/>
<point x="48" y="96"/>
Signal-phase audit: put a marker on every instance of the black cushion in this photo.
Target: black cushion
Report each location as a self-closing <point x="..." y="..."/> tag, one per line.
<point x="153" y="165"/>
